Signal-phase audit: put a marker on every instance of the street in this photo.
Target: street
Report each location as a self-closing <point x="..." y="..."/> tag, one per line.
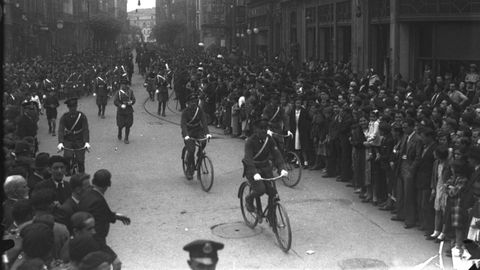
<point x="168" y="211"/>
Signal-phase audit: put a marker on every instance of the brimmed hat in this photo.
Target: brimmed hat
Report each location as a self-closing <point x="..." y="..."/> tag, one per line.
<point x="42" y="160"/>
<point x="22" y="147"/>
<point x="71" y="102"/>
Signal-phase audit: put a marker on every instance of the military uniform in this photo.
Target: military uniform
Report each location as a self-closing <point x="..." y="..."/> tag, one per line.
<point x="73" y="133"/>
<point x="124" y="100"/>
<point x="258" y="153"/>
<point x="27" y="123"/>
<point x="162" y="93"/>
<point x="194" y="125"/>
<point x="51" y="104"/>
<point x="101" y="91"/>
<point x="278" y="121"/>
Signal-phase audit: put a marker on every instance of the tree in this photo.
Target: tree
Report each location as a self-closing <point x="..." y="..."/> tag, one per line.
<point x="105" y="29"/>
<point x="167" y="32"/>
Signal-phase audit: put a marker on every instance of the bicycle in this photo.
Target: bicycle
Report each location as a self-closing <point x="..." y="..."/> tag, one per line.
<point x="274" y="213"/>
<point x="203" y="165"/>
<point x="73" y="165"/>
<point x="292" y="164"/>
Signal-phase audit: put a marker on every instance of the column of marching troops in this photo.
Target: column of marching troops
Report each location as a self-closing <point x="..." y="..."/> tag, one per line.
<point x="57" y="224"/>
<point x="409" y="147"/>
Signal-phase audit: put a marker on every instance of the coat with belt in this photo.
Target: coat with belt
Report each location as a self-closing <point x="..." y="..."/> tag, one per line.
<point x="304" y="125"/>
<point x="424" y="168"/>
<point x="94" y="203"/>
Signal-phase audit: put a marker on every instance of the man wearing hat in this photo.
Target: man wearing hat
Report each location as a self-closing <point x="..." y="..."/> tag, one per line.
<point x="56" y="182"/>
<point x="203" y="254"/>
<point x="193" y="125"/>
<point x="278" y="121"/>
<point x="259" y="149"/>
<point x="40" y="171"/>
<point x="51" y="104"/>
<point x="73" y="133"/>
<point x="124" y="100"/>
<point x="101" y="92"/>
<point x="27" y="122"/>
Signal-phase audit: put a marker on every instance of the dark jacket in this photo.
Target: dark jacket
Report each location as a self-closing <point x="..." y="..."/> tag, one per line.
<point x="94" y="203"/>
<point x="193" y="123"/>
<point x="59" y="196"/>
<point x="425" y="167"/>
<point x="304" y="126"/>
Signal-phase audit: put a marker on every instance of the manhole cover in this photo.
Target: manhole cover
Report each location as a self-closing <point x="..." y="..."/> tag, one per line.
<point x="235" y="230"/>
<point x="362" y="263"/>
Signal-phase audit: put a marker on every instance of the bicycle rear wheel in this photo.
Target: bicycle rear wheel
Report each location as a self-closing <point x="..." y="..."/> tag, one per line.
<point x="251" y="218"/>
<point x="281" y="228"/>
<point x="205" y="173"/>
<point x="294" y="168"/>
<point x="184" y="160"/>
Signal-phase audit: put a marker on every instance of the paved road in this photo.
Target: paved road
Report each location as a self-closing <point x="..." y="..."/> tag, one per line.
<point x="167" y="211"/>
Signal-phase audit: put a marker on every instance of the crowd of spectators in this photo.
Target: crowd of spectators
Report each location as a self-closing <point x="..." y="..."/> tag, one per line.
<point x="56" y="222"/>
<point x="410" y="148"/>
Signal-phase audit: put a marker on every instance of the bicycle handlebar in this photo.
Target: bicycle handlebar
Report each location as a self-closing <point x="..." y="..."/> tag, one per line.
<point x="271" y="179"/>
<point x="199" y="140"/>
<point x="281" y="135"/>
<point x="70" y="149"/>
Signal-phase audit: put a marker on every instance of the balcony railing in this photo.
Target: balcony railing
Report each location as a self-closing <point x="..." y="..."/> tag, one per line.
<point x="439" y="7"/>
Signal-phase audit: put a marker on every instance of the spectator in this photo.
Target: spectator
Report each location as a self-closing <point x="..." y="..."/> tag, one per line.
<point x="37" y="243"/>
<point x="79" y="184"/>
<point x="15" y="188"/>
<point x="40" y="171"/>
<point x="97" y="260"/>
<point x="57" y="182"/>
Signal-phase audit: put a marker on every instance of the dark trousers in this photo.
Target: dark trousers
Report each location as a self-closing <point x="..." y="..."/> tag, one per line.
<point x="400" y="188"/>
<point x="410" y="199"/>
<point x="345" y="158"/>
<point x="333" y="154"/>
<point x="426" y="212"/>
<point x="261" y="187"/>
<point x="358" y="162"/>
<point x="191" y="152"/>
<point x="101" y="109"/>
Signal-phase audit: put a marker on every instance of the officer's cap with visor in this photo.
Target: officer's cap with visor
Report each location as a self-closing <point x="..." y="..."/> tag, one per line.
<point x="71" y="102"/>
<point x="203" y="251"/>
<point x="261" y="123"/>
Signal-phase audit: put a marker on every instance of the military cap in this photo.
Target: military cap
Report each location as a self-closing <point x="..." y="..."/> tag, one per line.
<point x="204" y="251"/>
<point x="55" y="159"/>
<point x="22" y="147"/>
<point x="71" y="102"/>
<point x="260" y="122"/>
<point x="42" y="160"/>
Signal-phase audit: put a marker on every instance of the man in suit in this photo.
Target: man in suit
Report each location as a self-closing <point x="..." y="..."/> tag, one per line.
<point x="79" y="184"/>
<point x="438" y="96"/>
<point x="15" y="188"/>
<point x="40" y="171"/>
<point x="423" y="178"/>
<point x="406" y="191"/>
<point x="278" y="121"/>
<point x="57" y="167"/>
<point x="124" y="100"/>
<point x="93" y="202"/>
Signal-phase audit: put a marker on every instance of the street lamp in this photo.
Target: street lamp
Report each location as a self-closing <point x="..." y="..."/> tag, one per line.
<point x="249" y="31"/>
<point x="255" y="30"/>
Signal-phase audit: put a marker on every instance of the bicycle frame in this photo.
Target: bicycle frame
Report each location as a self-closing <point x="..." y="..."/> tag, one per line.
<point x="272" y="199"/>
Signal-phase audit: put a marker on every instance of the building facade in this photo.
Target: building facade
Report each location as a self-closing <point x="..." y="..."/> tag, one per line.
<point x="145" y="19"/>
<point x="46" y="27"/>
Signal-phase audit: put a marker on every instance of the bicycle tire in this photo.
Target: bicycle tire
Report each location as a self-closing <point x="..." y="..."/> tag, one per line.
<point x="205" y="173"/>
<point x="281" y="227"/>
<point x="184" y="160"/>
<point x="294" y="169"/>
<point x="250" y="218"/>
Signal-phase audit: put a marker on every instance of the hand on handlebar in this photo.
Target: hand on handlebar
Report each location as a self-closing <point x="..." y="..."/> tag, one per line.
<point x="289" y="133"/>
<point x="187" y="138"/>
<point x="87" y="146"/>
<point x="284" y="173"/>
<point x="257" y="177"/>
<point x="269" y="132"/>
<point x="209" y="136"/>
<point x="60" y="147"/>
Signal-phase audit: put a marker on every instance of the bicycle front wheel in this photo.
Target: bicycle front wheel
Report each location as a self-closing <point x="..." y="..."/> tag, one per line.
<point x="294" y="168"/>
<point x="281" y="228"/>
<point x="205" y="173"/>
<point x="251" y="218"/>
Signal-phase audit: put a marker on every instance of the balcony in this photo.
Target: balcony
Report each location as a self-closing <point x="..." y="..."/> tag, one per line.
<point x="439" y="9"/>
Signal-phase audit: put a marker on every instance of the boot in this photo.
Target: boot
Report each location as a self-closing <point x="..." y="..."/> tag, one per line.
<point x="119" y="134"/>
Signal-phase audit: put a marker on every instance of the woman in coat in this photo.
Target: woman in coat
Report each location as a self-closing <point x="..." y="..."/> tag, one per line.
<point x="300" y="126"/>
